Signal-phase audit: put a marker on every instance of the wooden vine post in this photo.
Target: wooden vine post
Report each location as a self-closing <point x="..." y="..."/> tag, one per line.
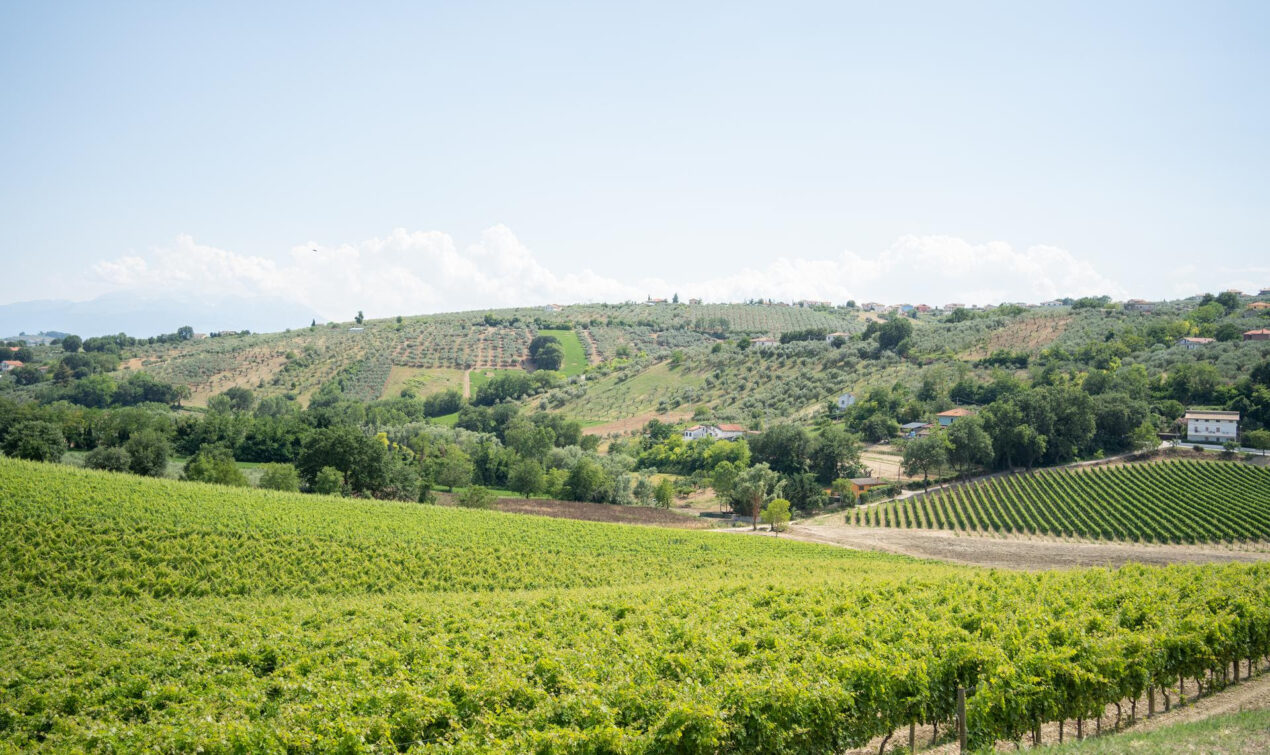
<point x="961" y="719"/>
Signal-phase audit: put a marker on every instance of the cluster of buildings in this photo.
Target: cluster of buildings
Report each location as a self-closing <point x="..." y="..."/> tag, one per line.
<point x="718" y="432"/>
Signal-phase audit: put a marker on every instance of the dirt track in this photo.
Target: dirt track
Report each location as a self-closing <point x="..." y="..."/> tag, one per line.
<point x="1015" y="553"/>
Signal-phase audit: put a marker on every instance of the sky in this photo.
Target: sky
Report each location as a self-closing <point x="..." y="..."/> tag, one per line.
<point x="404" y="158"/>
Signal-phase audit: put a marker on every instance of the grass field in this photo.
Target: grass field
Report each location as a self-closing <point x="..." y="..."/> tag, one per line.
<point x="1165" y="502"/>
<point x="140" y="614"/>
<point x="423" y="382"/>
<point x="620" y="395"/>
<point x="575" y="361"/>
<point x="1244" y="733"/>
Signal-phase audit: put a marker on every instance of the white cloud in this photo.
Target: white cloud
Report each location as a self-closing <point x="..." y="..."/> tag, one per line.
<point x="418" y="272"/>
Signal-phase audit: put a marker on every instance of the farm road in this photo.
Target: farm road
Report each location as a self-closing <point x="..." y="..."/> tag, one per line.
<point x="1013" y="552"/>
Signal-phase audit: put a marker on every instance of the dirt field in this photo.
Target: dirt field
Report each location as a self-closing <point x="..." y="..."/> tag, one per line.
<point x="1014" y="552"/>
<point x="631" y="424"/>
<point x="1027" y="334"/>
<point x="592" y="512"/>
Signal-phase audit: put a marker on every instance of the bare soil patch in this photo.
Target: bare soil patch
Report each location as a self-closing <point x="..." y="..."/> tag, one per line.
<point x="1028" y="553"/>
<point x="630" y="424"/>
<point x="591" y="512"/>
<point x="1027" y="334"/>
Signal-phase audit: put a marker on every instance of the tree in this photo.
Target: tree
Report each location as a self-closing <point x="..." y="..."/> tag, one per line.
<point x="879" y="427"/>
<point x="280" y="477"/>
<point x="108" y="458"/>
<point x="785" y="448"/>
<point x="586" y="480"/>
<point x="926" y="455"/>
<point x="238" y="399"/>
<point x="328" y="481"/>
<point x="1144" y="437"/>
<point x="35" y="440"/>
<point x="215" y="465"/>
<point x="1258" y="439"/>
<point x="723" y="478"/>
<point x="185" y="333"/>
<point x="527" y="477"/>
<point x="664" y="493"/>
<point x="776" y="515"/>
<point x="476" y="497"/>
<point x="454" y="468"/>
<point x="969" y="445"/>
<point x="27" y="375"/>
<point x="72" y="344"/>
<point x="359" y="319"/>
<point x="148" y="453"/>
<point x="753" y="488"/>
<point x="836" y="453"/>
<point x="643" y="491"/>
<point x="804" y="492"/>
<point x="546" y="352"/>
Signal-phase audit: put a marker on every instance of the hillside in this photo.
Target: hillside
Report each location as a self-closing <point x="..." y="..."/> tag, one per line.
<point x="149" y="614"/>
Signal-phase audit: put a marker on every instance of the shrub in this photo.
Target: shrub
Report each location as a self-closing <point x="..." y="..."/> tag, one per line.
<point x="109" y="458"/>
<point x="280" y="477"/>
<point x="476" y="497"/>
<point x="214" y="465"/>
<point x="328" y="481"/>
<point x="35" y="440"/>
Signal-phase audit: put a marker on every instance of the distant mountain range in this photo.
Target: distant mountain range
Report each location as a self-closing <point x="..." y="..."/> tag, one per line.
<point x="120" y="313"/>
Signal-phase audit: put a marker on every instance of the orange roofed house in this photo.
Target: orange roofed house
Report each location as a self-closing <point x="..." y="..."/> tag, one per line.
<point x="952" y="415"/>
<point x="1261" y="334"/>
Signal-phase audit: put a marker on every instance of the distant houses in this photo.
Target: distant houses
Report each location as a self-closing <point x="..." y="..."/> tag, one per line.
<point x="1191" y="344"/>
<point x="1138" y="305"/>
<point x="1203" y="426"/>
<point x="1260" y="334"/>
<point x="831" y="337"/>
<point x="915" y="429"/>
<point x="765" y="343"/>
<point x="10" y="364"/>
<point x="862" y="485"/>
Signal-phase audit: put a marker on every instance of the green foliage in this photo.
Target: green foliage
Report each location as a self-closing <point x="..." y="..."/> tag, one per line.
<point x="35" y="440"/>
<point x="664" y="493"/>
<point x="328" y="481"/>
<point x="776" y="515"/>
<point x="148" y="453"/>
<point x="108" y="458"/>
<point x="475" y="497"/>
<point x="282" y="477"/>
<point x="527" y="478"/>
<point x="214" y="465"/>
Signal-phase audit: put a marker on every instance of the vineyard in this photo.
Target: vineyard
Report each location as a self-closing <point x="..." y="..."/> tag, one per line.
<point x="1168" y="502"/>
<point x="153" y="615"/>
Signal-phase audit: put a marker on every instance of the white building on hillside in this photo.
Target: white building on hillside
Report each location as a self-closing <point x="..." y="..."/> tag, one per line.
<point x="1212" y="427"/>
<point x="846" y="400"/>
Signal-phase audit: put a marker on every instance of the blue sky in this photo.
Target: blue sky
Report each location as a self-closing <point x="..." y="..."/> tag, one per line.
<point x="590" y="151"/>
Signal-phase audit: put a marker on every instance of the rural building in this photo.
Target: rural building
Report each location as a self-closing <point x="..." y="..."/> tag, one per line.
<point x="952" y="415"/>
<point x="1264" y="292"/>
<point x="718" y="432"/>
<point x="1212" y="427"/>
<point x="1259" y="306"/>
<point x="839" y="334"/>
<point x="914" y="429"/>
<point x="356" y="330"/>
<point x="696" y="432"/>
<point x="1051" y="304"/>
<point x="552" y="308"/>
<point x="1261" y="334"/>
<point x="727" y="432"/>
<point x="923" y="308"/>
<point x="951" y="307"/>
<point x="651" y="301"/>
<point x="10" y="364"/>
<point x="846" y="400"/>
<point x="872" y="306"/>
<point x="764" y="343"/>
<point x="861" y="485"/>
<point x="1191" y="344"/>
<point x="1137" y="305"/>
<point x="694" y="302"/>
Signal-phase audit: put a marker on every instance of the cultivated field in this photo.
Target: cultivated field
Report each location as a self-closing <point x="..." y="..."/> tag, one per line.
<point x="1165" y="502"/>
<point x="140" y="614"/>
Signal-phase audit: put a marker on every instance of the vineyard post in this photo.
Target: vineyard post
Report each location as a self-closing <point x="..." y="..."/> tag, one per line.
<point x="912" y="736"/>
<point x="1150" y="701"/>
<point x="961" y="718"/>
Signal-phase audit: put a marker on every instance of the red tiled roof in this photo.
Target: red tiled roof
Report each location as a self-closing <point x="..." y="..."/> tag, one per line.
<point x="956" y="412"/>
<point x="731" y="428"/>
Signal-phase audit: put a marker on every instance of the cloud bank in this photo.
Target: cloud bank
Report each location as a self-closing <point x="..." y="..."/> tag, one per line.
<point x="419" y="272"/>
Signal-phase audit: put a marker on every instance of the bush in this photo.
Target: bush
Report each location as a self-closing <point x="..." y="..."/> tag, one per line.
<point x="214" y="465"/>
<point x="328" y="481"/>
<point x="147" y="454"/>
<point x="109" y="458"/>
<point x="280" y="477"/>
<point x="476" y="497"/>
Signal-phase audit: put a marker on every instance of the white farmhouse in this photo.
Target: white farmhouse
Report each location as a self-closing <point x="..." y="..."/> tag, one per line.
<point x="1212" y="427"/>
<point x="846" y="400"/>
<point x="765" y="343"/>
<point x="844" y="336"/>
<point x="696" y="432"/>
